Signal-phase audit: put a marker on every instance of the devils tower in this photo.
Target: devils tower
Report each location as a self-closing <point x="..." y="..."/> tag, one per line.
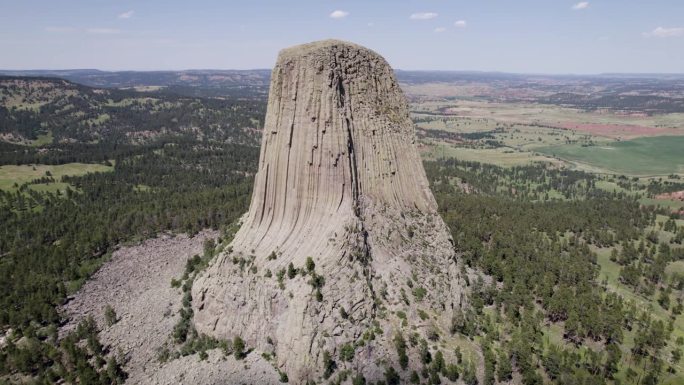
<point x="342" y="234"/>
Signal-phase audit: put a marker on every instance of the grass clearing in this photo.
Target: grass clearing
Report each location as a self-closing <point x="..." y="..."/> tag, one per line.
<point x="102" y="118"/>
<point x="544" y="114"/>
<point x="670" y="203"/>
<point x="538" y="130"/>
<point x="643" y="156"/>
<point x="676" y="267"/>
<point x="502" y="156"/>
<point x="42" y="140"/>
<point x="49" y="187"/>
<point x="11" y="175"/>
<point x="142" y="188"/>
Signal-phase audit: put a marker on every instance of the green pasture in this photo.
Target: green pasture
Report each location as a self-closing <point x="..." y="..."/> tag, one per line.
<point x="642" y="156"/>
<point x="502" y="156"/>
<point x="12" y="176"/>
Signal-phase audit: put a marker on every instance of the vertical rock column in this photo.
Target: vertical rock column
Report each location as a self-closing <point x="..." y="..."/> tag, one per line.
<point x="339" y="180"/>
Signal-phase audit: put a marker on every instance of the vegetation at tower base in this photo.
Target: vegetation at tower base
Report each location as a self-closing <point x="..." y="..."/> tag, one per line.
<point x="550" y="302"/>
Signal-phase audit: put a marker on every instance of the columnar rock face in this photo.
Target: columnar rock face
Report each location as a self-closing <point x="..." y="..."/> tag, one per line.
<point x="340" y="181"/>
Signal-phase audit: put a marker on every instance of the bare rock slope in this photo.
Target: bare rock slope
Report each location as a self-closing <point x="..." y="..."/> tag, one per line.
<point x="136" y="283"/>
<point x="340" y="181"/>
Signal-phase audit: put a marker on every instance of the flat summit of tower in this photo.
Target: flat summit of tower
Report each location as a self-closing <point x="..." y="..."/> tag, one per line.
<point x="320" y="45"/>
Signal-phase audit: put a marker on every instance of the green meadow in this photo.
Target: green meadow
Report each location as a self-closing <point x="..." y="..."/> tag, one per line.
<point x="659" y="155"/>
<point x="13" y="176"/>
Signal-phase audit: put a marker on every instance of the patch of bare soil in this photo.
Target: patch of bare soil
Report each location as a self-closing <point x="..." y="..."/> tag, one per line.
<point x="215" y="370"/>
<point x="677" y="195"/>
<point x="136" y="282"/>
<point x="620" y="130"/>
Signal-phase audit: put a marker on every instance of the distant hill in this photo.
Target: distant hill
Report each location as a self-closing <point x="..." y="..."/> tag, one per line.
<point x="124" y="79"/>
<point x="206" y="83"/>
<point x="40" y="111"/>
<point x="640" y="93"/>
<point x="261" y="77"/>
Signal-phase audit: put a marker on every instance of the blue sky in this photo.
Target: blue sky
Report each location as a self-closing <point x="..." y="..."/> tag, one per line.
<point x="528" y="36"/>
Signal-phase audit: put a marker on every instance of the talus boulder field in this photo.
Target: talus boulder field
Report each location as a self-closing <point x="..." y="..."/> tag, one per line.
<point x="342" y="233"/>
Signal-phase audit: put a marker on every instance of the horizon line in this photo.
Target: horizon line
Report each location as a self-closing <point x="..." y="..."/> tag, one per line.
<point x="502" y="72"/>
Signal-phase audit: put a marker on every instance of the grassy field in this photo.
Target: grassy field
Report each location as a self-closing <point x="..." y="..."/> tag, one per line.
<point x="526" y="113"/>
<point x="42" y="140"/>
<point x="501" y="156"/>
<point x="669" y="203"/>
<point x="643" y="156"/>
<point x="13" y="176"/>
<point x="676" y="267"/>
<point x="532" y="132"/>
<point x="530" y="113"/>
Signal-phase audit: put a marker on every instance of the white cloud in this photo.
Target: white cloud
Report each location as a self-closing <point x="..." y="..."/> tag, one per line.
<point x="423" y="16"/>
<point x="440" y="29"/>
<point x="103" y="31"/>
<point x="339" y="14"/>
<point x="126" y="15"/>
<point x="460" y="24"/>
<point x="59" y="29"/>
<point x="581" y="5"/>
<point x="666" y="32"/>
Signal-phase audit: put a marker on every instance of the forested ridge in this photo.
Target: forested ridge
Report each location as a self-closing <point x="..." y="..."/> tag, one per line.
<point x="72" y="113"/>
<point x="51" y="243"/>
<point x="542" y="302"/>
<point x="197" y="175"/>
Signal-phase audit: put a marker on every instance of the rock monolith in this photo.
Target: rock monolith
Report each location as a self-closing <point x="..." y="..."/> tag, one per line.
<point x="342" y="249"/>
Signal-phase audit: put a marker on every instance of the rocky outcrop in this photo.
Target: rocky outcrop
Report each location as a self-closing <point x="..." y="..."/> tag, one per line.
<point x="340" y="182"/>
<point x="135" y="282"/>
